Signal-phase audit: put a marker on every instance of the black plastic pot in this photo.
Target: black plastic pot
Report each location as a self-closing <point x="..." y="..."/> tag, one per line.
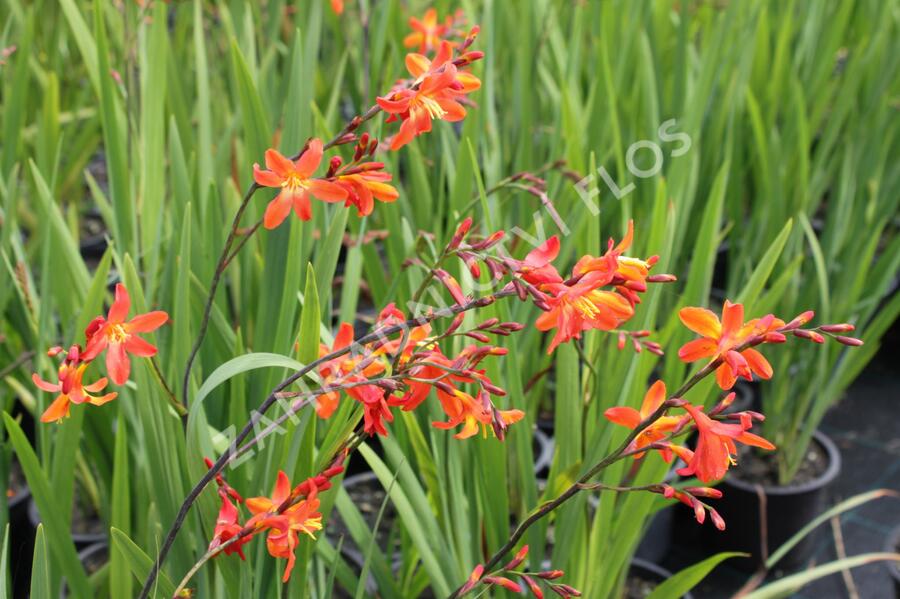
<point x="893" y="546"/>
<point x="21" y="537"/>
<point x="788" y="509"/>
<point x="92" y="558"/>
<point x="81" y="540"/>
<point x="543" y="452"/>
<point x="651" y="572"/>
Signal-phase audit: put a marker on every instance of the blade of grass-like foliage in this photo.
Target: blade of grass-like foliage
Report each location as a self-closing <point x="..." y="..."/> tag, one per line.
<point x="763" y="270"/>
<point x="40" y="572"/>
<point x="680" y="583"/>
<point x="431" y="548"/>
<point x="791" y="584"/>
<point x="847" y="504"/>
<point x="139" y="562"/>
<point x="59" y="537"/>
<point x="4" y="563"/>
<point x="120" y="580"/>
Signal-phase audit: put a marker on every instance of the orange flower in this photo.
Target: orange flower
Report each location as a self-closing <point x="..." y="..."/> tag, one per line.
<point x="337" y="6"/>
<point x="631" y="418"/>
<point x="70" y="388"/>
<point x="537" y="268"/>
<point x="120" y="338"/>
<point x="227" y="527"/>
<point x="346" y="369"/>
<point x="296" y="183"/>
<point x="365" y="183"/>
<point x="580" y="307"/>
<point x="284" y="528"/>
<point x="715" y="449"/>
<point x="462" y="408"/>
<point x="428" y="32"/>
<point x="439" y="86"/>
<point x="719" y="340"/>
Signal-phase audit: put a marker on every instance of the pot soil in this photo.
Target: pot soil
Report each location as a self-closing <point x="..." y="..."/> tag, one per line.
<point x="87" y="528"/>
<point x="893" y="546"/>
<point x="643" y="577"/>
<point x="787" y="508"/>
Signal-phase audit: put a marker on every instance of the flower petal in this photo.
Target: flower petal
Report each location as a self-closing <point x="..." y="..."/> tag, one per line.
<point x="117" y="363"/>
<point x="702" y="321"/>
<point x="266" y="178"/>
<point x="654" y="398"/>
<point x="327" y="191"/>
<point x="732" y="318"/>
<point x="119" y="309"/>
<point x="136" y="346"/>
<point x="57" y="410"/>
<point x="758" y="363"/>
<point x="44" y="385"/>
<point x="623" y="415"/>
<point x="697" y="350"/>
<point x="309" y="161"/>
<point x="146" y="323"/>
<point x="279" y="164"/>
<point x="277" y="210"/>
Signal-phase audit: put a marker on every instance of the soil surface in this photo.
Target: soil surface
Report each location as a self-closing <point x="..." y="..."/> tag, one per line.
<point x="367" y="496"/>
<point x="637" y="587"/>
<point x="85" y="521"/>
<point x="757" y="468"/>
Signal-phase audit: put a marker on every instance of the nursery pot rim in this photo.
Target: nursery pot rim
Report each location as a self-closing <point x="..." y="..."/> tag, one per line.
<point x="833" y="455"/>
<point x="88" y="539"/>
<point x="654" y="569"/>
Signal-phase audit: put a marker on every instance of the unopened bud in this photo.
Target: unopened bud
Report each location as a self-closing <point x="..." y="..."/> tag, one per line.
<point x="518" y="559"/>
<point x="662" y="278"/>
<point x="811" y="335"/>
<point x="843" y="327"/>
<point x="851" y="341"/>
<point x="550" y="574"/>
<point x="717" y="519"/>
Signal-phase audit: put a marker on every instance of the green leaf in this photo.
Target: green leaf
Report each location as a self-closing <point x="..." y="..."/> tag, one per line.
<point x="676" y="586"/>
<point x="791" y="584"/>
<point x="763" y="270"/>
<point x="58" y="533"/>
<point x="40" y="569"/>
<point x="308" y="336"/>
<point x="140" y="563"/>
<point x="847" y="504"/>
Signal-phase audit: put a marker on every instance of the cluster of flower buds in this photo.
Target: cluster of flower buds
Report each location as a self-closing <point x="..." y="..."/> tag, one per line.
<point x="639" y="342"/>
<point x="284" y="515"/>
<point x="113" y="334"/>
<point x="731" y="341"/>
<point x="689" y="497"/>
<point x="503" y="578"/>
<point x="418" y="365"/>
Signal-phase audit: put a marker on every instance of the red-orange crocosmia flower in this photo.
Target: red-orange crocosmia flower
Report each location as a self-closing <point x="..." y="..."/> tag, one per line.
<point x="354" y="368"/>
<point x="70" y="388"/>
<point x="581" y="307"/>
<point x="462" y="408"/>
<point x="716" y="448"/>
<point x="721" y="338"/>
<point x="119" y="337"/>
<point x="439" y="86"/>
<point x="227" y="527"/>
<point x="427" y="33"/>
<point x="631" y="418"/>
<point x="302" y="517"/>
<point x="366" y="183"/>
<point x="295" y="178"/>
<point x="536" y="268"/>
<point x="337" y="6"/>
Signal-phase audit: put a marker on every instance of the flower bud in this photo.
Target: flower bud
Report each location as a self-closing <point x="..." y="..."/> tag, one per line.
<point x="837" y="328"/>
<point x="550" y="574"/>
<point x="811" y="335"/>
<point x="851" y="341"/>
<point x="717" y="519"/>
<point x="502" y="581"/>
<point x="662" y="278"/>
<point x="518" y="559"/>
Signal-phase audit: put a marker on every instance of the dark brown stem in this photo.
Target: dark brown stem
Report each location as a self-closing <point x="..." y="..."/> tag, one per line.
<point x="578" y="485"/>
<point x="210" y="474"/>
